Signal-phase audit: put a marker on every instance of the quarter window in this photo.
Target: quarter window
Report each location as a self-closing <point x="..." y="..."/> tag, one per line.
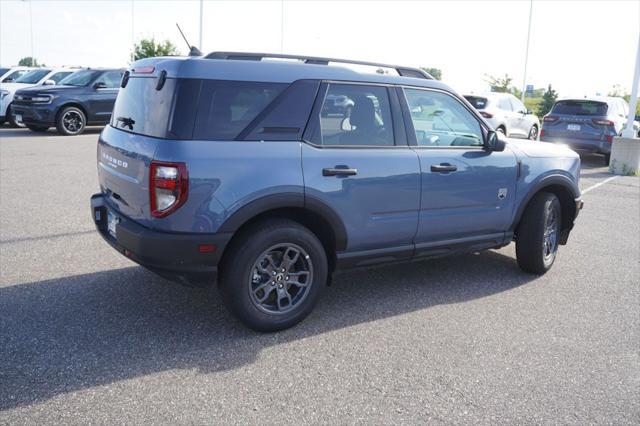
<point x="355" y="115"/>
<point x="441" y="120"/>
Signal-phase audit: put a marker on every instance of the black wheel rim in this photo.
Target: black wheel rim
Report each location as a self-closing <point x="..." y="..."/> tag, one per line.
<point x="550" y="239"/>
<point x="72" y="121"/>
<point x="281" y="278"/>
<point x="533" y="133"/>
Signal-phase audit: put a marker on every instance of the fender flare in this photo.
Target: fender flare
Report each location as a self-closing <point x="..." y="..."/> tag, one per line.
<point x="283" y="201"/>
<point x="544" y="181"/>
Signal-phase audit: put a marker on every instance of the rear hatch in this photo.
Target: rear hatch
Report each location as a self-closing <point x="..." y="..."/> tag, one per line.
<point x="140" y="119"/>
<point x="577" y="119"/>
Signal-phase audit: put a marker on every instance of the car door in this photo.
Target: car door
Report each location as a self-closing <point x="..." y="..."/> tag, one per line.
<point x="357" y="162"/>
<point x="467" y="191"/>
<point x="105" y="91"/>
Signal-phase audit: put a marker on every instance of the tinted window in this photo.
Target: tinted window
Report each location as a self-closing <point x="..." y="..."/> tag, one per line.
<point x="441" y="120"/>
<point x="15" y="75"/>
<point x="517" y="105"/>
<point x="32" y="77"/>
<point x="504" y="104"/>
<point x="111" y="79"/>
<point x="578" y="107"/>
<point x="356" y="115"/>
<point x="140" y="108"/>
<point x="80" y="78"/>
<point x="57" y="77"/>
<point x="225" y="108"/>
<point x="477" y="101"/>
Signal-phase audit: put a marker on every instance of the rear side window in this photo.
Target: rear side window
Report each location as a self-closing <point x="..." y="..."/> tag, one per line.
<point x="578" y="107"/>
<point x="504" y="104"/>
<point x="478" y="102"/>
<point x="225" y="108"/>
<point x="59" y="76"/>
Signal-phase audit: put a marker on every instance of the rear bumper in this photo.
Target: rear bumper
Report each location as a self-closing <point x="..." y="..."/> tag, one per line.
<point x="175" y="256"/>
<point x="581" y="145"/>
<point x="37" y="116"/>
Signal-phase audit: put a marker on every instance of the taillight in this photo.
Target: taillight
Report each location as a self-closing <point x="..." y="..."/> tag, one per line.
<point x="486" y="114"/>
<point x="550" y="118"/>
<point x="602" y="122"/>
<point x="609" y="138"/>
<point x="168" y="187"/>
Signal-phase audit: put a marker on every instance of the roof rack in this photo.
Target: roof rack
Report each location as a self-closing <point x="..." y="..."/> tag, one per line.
<point x="402" y="71"/>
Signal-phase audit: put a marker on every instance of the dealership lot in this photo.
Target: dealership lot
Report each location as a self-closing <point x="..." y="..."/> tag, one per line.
<point x="88" y="336"/>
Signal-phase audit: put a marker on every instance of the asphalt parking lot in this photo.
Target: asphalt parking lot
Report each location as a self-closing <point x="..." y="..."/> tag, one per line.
<point x="86" y="336"/>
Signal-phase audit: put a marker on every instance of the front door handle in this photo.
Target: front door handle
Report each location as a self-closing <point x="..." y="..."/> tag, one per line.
<point x="443" y="168"/>
<point x="339" y="171"/>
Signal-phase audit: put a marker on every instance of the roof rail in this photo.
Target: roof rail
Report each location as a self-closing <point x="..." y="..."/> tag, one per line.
<point x="403" y="71"/>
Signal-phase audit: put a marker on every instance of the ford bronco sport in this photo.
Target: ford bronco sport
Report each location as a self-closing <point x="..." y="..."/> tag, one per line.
<point x="231" y="165"/>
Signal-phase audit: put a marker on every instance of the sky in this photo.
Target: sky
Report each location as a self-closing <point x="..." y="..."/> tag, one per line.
<point x="580" y="47"/>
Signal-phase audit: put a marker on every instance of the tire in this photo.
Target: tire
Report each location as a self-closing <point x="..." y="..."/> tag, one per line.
<point x="607" y="159"/>
<point x="501" y="130"/>
<point x="71" y="121"/>
<point x="533" y="133"/>
<point x="538" y="233"/>
<point x="255" y="288"/>
<point x="12" y="121"/>
<point x="37" y="129"/>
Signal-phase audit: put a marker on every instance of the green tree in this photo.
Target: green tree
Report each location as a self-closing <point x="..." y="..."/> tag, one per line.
<point x="499" y="84"/>
<point x="435" y="72"/>
<point x="28" y="61"/>
<point x="548" y="99"/>
<point x="148" y="48"/>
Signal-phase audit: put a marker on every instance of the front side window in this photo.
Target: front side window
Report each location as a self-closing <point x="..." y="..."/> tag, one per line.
<point x="32" y="77"/>
<point x="517" y="105"/>
<point x="80" y="78"/>
<point x="111" y="79"/>
<point x="440" y="120"/>
<point x="354" y="114"/>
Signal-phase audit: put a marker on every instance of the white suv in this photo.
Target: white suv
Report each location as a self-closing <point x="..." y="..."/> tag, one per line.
<point x="506" y="114"/>
<point x="7" y="75"/>
<point x="35" y="77"/>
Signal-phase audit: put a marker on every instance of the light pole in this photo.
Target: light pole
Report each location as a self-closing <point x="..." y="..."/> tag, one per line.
<point x="200" y="38"/>
<point x="633" y="102"/>
<point x="526" y="54"/>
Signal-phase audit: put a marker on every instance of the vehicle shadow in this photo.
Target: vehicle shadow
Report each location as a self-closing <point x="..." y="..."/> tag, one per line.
<point x="77" y="332"/>
<point x="22" y="132"/>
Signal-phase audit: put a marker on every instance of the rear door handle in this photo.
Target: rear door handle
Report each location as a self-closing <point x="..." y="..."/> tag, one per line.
<point x="339" y="171"/>
<point x="443" y="168"/>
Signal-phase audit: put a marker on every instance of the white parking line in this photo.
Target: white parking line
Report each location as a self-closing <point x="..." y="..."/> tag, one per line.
<point x="607" y="180"/>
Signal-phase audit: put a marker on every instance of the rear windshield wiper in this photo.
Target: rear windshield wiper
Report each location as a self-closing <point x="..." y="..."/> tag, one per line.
<point x="126" y="122"/>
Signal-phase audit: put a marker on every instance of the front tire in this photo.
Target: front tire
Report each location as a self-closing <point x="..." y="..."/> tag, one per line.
<point x="37" y="129"/>
<point x="538" y="234"/>
<point x="11" y="120"/>
<point x="71" y="121"/>
<point x="273" y="274"/>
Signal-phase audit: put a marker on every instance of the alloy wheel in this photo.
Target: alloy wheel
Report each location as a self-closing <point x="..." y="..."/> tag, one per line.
<point x="72" y="121"/>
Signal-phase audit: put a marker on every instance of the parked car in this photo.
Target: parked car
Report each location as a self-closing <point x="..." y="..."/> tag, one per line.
<point x="84" y="98"/>
<point x="221" y="166"/>
<point x="586" y="124"/>
<point x="7" y="75"/>
<point x="35" y="77"/>
<point x="506" y="114"/>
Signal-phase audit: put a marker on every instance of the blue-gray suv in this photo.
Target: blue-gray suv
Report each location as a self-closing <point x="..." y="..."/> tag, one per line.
<point x="230" y="165"/>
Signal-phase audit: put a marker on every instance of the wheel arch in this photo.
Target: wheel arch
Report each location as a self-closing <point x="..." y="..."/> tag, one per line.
<point x="562" y="187"/>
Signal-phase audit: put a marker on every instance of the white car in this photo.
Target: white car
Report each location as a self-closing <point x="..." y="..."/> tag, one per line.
<point x="9" y="74"/>
<point x="35" y="77"/>
<point x="506" y="114"/>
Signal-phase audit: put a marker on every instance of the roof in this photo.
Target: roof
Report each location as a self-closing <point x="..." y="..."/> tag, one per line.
<point x="272" y="71"/>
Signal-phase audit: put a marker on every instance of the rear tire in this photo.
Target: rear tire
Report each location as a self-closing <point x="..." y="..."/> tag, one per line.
<point x="538" y="234"/>
<point x="533" y="133"/>
<point x="607" y="159"/>
<point x="502" y="130"/>
<point x="263" y="289"/>
<point x="71" y="121"/>
<point x="37" y="129"/>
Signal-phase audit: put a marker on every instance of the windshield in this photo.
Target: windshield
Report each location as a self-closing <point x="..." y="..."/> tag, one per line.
<point x="478" y="102"/>
<point x="80" y="78"/>
<point x="579" y="107"/>
<point x="4" y="70"/>
<point x="32" y="77"/>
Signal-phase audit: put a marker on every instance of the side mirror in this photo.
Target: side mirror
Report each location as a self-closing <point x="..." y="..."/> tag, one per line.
<point x="495" y="141"/>
<point x="49" y="83"/>
<point x="100" y="85"/>
<point x="529" y="112"/>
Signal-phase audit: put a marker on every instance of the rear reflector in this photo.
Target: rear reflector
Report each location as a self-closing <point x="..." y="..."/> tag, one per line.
<point x="542" y="133"/>
<point x="609" y="138"/>
<point x="207" y="248"/>
<point x="168" y="187"/>
<point x="550" y="118"/>
<point x="486" y="114"/>
<point x="602" y="122"/>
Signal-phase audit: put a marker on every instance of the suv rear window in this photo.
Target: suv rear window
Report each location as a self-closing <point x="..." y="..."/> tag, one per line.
<point x="478" y="102"/>
<point x="191" y="108"/>
<point x="578" y="107"/>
